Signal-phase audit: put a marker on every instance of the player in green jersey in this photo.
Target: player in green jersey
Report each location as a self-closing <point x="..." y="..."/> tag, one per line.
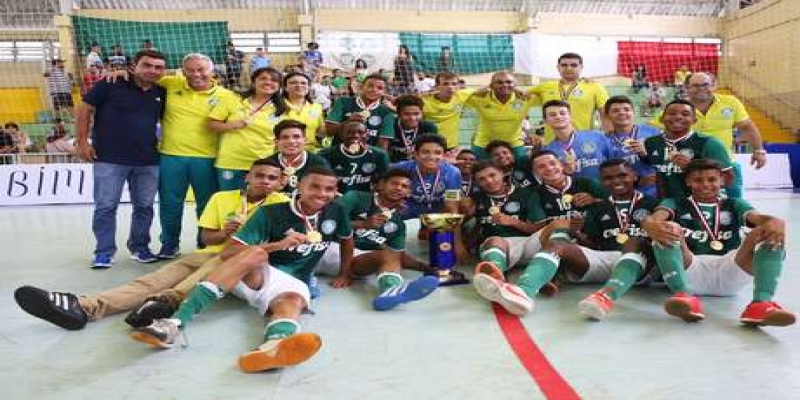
<point x="357" y="164"/>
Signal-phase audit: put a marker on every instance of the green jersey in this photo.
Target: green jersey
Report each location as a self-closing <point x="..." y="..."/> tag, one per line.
<point x="308" y="160"/>
<point x="356" y="171"/>
<point x="671" y="180"/>
<point x="552" y="204"/>
<point x="380" y="122"/>
<point x="517" y="204"/>
<point x="605" y="220"/>
<point x="401" y="147"/>
<point x="724" y="220"/>
<point x="272" y="223"/>
<point x="391" y="235"/>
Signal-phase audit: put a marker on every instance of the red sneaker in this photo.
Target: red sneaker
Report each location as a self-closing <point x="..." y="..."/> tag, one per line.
<point x="685" y="307"/>
<point x="766" y="313"/>
<point x="488" y="268"/>
<point x="597" y="305"/>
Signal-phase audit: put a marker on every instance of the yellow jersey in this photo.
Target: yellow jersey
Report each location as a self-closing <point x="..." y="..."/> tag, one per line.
<point x="228" y="204"/>
<point x="184" y="127"/>
<point x="725" y="113"/>
<point x="239" y="148"/>
<point x="446" y="115"/>
<point x="499" y="121"/>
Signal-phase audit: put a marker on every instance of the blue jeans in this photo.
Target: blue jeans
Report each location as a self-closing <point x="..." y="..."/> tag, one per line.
<point x="109" y="180"/>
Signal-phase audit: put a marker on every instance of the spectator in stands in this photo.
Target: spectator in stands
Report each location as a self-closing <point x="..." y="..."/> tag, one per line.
<point x="639" y="78"/>
<point x="94" y="58"/>
<point x="404" y="71"/>
<point x="59" y="84"/>
<point x="123" y="117"/>
<point x="313" y="57"/>
<point x="6" y="147"/>
<point x="259" y="60"/>
<point x="147" y="44"/>
<point x="360" y="71"/>
<point x="322" y="92"/>
<point x="91" y="76"/>
<point x="21" y="140"/>
<point x="59" y="141"/>
<point x="446" y="62"/>
<point x="233" y="66"/>
<point x="655" y="99"/>
<point x="340" y="83"/>
<point x="680" y="77"/>
<point x="117" y="59"/>
<point x="425" y="83"/>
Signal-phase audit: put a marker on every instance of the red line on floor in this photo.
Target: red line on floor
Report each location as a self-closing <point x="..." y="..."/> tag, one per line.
<point x="552" y="384"/>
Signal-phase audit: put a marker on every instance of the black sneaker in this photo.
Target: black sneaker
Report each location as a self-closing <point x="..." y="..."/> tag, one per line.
<point x="58" y="308"/>
<point x="148" y="311"/>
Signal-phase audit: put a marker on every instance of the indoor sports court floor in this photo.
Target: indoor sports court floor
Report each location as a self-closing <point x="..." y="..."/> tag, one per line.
<point x="449" y="346"/>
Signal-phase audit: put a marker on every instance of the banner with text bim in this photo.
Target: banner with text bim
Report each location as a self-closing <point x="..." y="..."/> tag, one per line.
<point x="31" y="184"/>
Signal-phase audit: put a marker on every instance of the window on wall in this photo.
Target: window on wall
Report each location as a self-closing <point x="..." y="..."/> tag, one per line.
<point x="273" y="42"/>
<point x="29" y="50"/>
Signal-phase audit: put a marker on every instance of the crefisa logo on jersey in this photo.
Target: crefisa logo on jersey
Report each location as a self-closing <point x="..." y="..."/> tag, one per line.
<point x="727" y="112"/>
<point x="328" y="226"/>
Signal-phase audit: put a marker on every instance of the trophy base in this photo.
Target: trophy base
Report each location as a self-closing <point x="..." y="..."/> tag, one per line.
<point x="451" y="277"/>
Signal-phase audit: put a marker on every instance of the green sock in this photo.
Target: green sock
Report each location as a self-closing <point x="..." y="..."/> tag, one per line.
<point x="767" y="265"/>
<point x="561" y="234"/>
<point x="281" y="328"/>
<point x="670" y="262"/>
<point x="388" y="280"/>
<point x="201" y="297"/>
<point x="496" y="256"/>
<point x="540" y="270"/>
<point x="624" y="275"/>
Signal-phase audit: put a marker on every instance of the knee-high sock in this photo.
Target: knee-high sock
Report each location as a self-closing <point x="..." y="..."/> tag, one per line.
<point x="203" y="295"/>
<point x="624" y="275"/>
<point x="281" y="328"/>
<point x="561" y="234"/>
<point x="670" y="262"/>
<point x="767" y="265"/>
<point x="496" y="256"/>
<point x="540" y="270"/>
<point x="388" y="280"/>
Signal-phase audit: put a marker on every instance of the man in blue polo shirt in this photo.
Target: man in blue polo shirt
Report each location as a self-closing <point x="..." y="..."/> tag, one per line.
<point x="123" y="117"/>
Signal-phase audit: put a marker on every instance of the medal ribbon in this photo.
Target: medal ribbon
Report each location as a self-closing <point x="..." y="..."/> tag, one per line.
<point x="370" y="107"/>
<point x="245" y="204"/>
<point x="562" y="191"/>
<point x="298" y="160"/>
<point x="503" y="200"/>
<point x="567" y="148"/>
<point x="255" y="111"/>
<point x="408" y="143"/>
<point x="310" y="221"/>
<point x="468" y="189"/>
<point x="621" y="138"/>
<point x="713" y="234"/>
<point x="566" y="93"/>
<point x="426" y="195"/>
<point x="624" y="222"/>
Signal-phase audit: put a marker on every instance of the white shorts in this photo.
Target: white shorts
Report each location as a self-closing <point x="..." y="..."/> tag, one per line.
<point x="711" y="275"/>
<point x="521" y="249"/>
<point x="276" y="283"/>
<point x="601" y="263"/>
<point x="329" y="264"/>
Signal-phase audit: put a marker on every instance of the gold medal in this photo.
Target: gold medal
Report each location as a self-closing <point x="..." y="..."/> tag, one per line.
<point x="354" y="148"/>
<point x="622" y="238"/>
<point x="628" y="142"/>
<point x="571" y="159"/>
<point x="365" y="113"/>
<point x="716" y="245"/>
<point x="388" y="214"/>
<point x="494" y="210"/>
<point x="314" y="236"/>
<point x="566" y="198"/>
<point x="289" y="171"/>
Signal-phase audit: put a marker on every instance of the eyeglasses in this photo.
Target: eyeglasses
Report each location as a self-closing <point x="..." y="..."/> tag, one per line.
<point x="573" y="65"/>
<point x="700" y="85"/>
<point x="504" y="82"/>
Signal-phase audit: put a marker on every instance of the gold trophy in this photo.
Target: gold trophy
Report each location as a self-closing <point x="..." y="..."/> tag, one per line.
<point x="441" y="246"/>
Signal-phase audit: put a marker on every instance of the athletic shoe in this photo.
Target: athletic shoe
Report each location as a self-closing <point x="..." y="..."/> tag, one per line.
<point x="509" y="296"/>
<point x="169" y="252"/>
<point x="62" y="309"/>
<point x="144" y="256"/>
<point x="407" y="292"/>
<point x="766" y="313"/>
<point x="161" y="333"/>
<point x="102" y="261"/>
<point x="488" y="268"/>
<point x="152" y="309"/>
<point x="313" y="287"/>
<point x="597" y="305"/>
<point x="685" y="307"/>
<point x="284" y="352"/>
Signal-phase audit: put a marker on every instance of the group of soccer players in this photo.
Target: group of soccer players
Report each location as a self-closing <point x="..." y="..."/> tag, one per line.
<point x="304" y="196"/>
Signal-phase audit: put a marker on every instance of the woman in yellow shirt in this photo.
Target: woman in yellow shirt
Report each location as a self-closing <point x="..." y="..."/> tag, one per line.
<point x="300" y="107"/>
<point x="246" y="128"/>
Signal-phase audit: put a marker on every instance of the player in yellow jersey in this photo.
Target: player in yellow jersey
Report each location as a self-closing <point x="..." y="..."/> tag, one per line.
<point x="585" y="98"/>
<point x="443" y="106"/>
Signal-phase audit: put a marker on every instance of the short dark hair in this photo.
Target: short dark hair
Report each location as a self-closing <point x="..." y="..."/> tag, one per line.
<point x="465" y="151"/>
<point x="444" y="76"/>
<point x="680" y="101"/>
<point x="288" y="124"/>
<point x="702" y="164"/>
<point x="270" y="162"/>
<point x="616" y="100"/>
<point x="378" y="77"/>
<point x="395" y="173"/>
<point x="149" y="53"/>
<point x="555" y="103"/>
<point x="11" y="125"/>
<point x="498" y="143"/>
<point x="613" y="162"/>
<point x="436" y="139"/>
<point x="346" y="125"/>
<point x="408" y="100"/>
<point x="319" y="170"/>
<point x="482" y="165"/>
<point x="541" y="153"/>
<point x="570" y="55"/>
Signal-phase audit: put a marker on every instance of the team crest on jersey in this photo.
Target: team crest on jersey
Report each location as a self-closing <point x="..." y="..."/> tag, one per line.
<point x="725" y="218"/>
<point x="517" y="105"/>
<point x="313" y="113"/>
<point x="727" y="112"/>
<point x="640" y="214"/>
<point x="390" y="227"/>
<point x="273" y="118"/>
<point x="457" y="108"/>
<point x="227" y="175"/>
<point x="588" y="148"/>
<point x="577" y="92"/>
<point x="375" y="120"/>
<point x="687" y="152"/>
<point x="512" y="207"/>
<point x="328" y="226"/>
<point x="368" y="168"/>
<point x="213" y="101"/>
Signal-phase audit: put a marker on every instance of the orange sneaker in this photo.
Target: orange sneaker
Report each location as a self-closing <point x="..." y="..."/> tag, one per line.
<point x="488" y="268"/>
<point x="597" y="305"/>
<point x="766" y="313"/>
<point x="685" y="307"/>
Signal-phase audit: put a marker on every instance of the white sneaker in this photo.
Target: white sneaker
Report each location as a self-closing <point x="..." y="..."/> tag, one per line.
<point x="509" y="296"/>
